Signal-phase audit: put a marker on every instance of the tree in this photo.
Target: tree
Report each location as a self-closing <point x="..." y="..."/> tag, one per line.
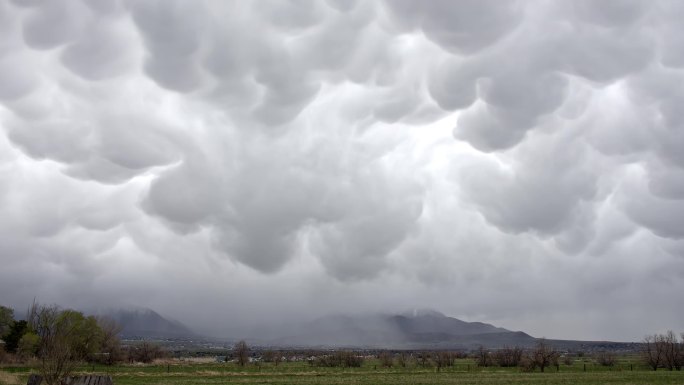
<point x="508" y="356"/>
<point x="28" y="345"/>
<point x="111" y="351"/>
<point x="277" y="358"/>
<point x="386" y="359"/>
<point x="145" y="352"/>
<point x="652" y="351"/>
<point x="423" y="358"/>
<point x="543" y="355"/>
<point x="65" y="337"/>
<point x="442" y="359"/>
<point x="17" y="330"/>
<point x="483" y="358"/>
<point x="241" y="353"/>
<point x="6" y="320"/>
<point x="402" y="359"/>
<point x="672" y="351"/>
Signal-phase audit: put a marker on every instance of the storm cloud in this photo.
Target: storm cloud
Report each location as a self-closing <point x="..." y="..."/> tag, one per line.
<point x="519" y="162"/>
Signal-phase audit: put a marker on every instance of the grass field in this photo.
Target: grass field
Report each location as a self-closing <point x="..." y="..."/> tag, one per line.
<point x="301" y="373"/>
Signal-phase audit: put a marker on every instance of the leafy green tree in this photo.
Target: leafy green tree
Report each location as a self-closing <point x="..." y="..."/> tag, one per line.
<point x="111" y="351"/>
<point x="28" y="345"/>
<point x="6" y="320"/>
<point x="17" y="330"/>
<point x="66" y="337"/>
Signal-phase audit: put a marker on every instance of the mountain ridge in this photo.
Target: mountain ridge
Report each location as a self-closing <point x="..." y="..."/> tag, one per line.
<point x="425" y="329"/>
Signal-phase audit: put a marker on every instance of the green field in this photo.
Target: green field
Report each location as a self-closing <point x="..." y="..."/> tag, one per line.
<point x="301" y="373"/>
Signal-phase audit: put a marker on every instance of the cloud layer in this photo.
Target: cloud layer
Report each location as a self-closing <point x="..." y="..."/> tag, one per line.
<point x="508" y="162"/>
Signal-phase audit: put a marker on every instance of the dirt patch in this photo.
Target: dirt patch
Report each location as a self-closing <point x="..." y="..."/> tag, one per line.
<point x="9" y="378"/>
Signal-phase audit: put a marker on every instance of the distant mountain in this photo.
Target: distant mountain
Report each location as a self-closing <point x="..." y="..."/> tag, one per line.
<point x="424" y="329"/>
<point x="147" y="323"/>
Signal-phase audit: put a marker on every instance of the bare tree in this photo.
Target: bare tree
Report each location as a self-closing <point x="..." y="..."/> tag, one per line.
<point x="241" y="353"/>
<point x="543" y="355"/>
<point x="386" y="359"/>
<point x="146" y="352"/>
<point x="423" y="358"/>
<point x="442" y="359"/>
<point x="483" y="358"/>
<point x="402" y="359"/>
<point x="652" y="351"/>
<point x="672" y="351"/>
<point x="508" y="356"/>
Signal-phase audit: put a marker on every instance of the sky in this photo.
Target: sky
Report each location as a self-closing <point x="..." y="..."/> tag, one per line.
<point x="235" y="164"/>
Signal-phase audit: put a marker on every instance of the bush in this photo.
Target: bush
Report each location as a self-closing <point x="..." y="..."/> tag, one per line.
<point x="527" y="364"/>
<point x="145" y="352"/>
<point x="605" y="359"/>
<point x="568" y="359"/>
<point x="28" y="346"/>
<point x="338" y="359"/>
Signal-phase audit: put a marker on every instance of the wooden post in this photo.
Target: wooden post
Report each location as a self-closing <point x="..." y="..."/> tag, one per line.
<point x="585" y="367"/>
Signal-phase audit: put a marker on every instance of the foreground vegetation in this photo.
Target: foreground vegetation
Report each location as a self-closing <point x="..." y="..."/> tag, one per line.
<point x="463" y="372"/>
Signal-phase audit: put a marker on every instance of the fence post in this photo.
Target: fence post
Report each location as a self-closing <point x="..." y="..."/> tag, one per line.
<point x="585" y="367"/>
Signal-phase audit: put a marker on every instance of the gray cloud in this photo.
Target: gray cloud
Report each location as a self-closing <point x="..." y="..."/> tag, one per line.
<point x="302" y="151"/>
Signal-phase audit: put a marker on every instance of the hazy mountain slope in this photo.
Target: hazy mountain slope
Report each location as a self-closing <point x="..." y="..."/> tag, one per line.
<point x="418" y="330"/>
<point x="147" y="323"/>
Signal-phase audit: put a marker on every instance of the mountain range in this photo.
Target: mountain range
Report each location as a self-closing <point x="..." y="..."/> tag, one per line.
<point x="413" y="330"/>
<point x="423" y="329"/>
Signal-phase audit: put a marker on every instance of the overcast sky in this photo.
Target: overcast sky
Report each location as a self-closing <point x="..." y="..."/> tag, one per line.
<point x="235" y="164"/>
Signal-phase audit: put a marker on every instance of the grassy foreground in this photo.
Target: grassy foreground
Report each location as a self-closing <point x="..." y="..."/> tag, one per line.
<point x="370" y="373"/>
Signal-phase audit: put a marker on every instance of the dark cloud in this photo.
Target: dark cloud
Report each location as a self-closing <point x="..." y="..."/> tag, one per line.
<point x="162" y="152"/>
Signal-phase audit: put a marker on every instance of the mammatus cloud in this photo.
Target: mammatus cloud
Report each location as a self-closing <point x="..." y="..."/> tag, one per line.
<point x="527" y="154"/>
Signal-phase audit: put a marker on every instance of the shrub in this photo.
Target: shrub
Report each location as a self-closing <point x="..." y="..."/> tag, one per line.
<point x="605" y="359"/>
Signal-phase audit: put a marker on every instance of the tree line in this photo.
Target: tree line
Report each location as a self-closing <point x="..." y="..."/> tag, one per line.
<point x="58" y="339"/>
<point x="663" y="351"/>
